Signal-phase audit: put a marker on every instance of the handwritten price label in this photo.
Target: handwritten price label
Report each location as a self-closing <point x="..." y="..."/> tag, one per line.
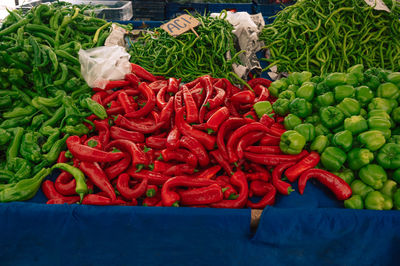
<point x="181" y="24"/>
<point x="377" y="5"/>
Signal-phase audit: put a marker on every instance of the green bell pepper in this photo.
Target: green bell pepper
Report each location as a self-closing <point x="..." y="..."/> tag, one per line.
<point x="319" y="144"/>
<point x="95" y="107"/>
<point x="358" y="158"/>
<point x="380" y="103"/>
<point x="394" y="139"/>
<point x="388" y="90"/>
<point x="291" y="121"/>
<point x="364" y="95"/>
<point x="352" y="79"/>
<point x="346" y="174"/>
<point x="394" y="78"/>
<point x="378" y="122"/>
<point x="375" y="200"/>
<point x="372" y="139"/>
<point x="292" y="142"/>
<point x="262" y="108"/>
<point x="335" y="79"/>
<point x="321" y="130"/>
<point x="354" y="202"/>
<point x="331" y="117"/>
<point x="307" y="130"/>
<point x="333" y="158"/>
<point x="364" y="113"/>
<point x="344" y="91"/>
<point x="396" y="199"/>
<point x="313" y="119"/>
<point x="298" y="78"/>
<point x="349" y="107"/>
<point x="287" y="94"/>
<point x="306" y="91"/>
<point x="357" y="71"/>
<point x="396" y="115"/>
<point x="343" y="140"/>
<point x="355" y="124"/>
<point x="358" y="187"/>
<point x="325" y="99"/>
<point x="281" y="106"/>
<point x="389" y="156"/>
<point x="322" y="88"/>
<point x="389" y="188"/>
<point x="277" y="86"/>
<point x="20" y="167"/>
<point x="300" y="107"/>
<point x="373" y="175"/>
<point x="4" y="136"/>
<point x="293" y="88"/>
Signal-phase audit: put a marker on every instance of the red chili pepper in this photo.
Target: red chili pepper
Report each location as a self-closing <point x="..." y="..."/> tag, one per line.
<point x="158" y="85"/>
<point x="142" y="73"/>
<point x="251" y="115"/>
<point x="161" y="167"/>
<point x="152" y="201"/>
<point x="86" y="153"/>
<point x="274" y="159"/>
<point x="266" y="120"/>
<point x="210" y="113"/>
<point x="61" y="157"/>
<point x="267" y="199"/>
<point x="209" y="173"/>
<point x="94" y="199"/>
<point x="227" y="126"/>
<point x="64" y="200"/>
<point x="192" y="114"/>
<point x="94" y="172"/>
<point x="259" y="81"/>
<point x="126" y="191"/>
<point x="112" y="84"/>
<point x="238" y="179"/>
<point x="156" y="142"/>
<point x="50" y="191"/>
<point x="230" y="193"/>
<point x="308" y="162"/>
<point x="269" y="140"/>
<point x="217" y="119"/>
<point x="151" y="191"/>
<point x="154" y="178"/>
<point x="185" y="129"/>
<point x="117" y="168"/>
<point x="262" y="92"/>
<point x="278" y="126"/>
<point x="206" y="83"/>
<point x="217" y="100"/>
<point x="173" y="85"/>
<point x="263" y="176"/>
<point x="258" y="188"/>
<point x="138" y="157"/>
<point x="94" y="142"/>
<point x="115" y="108"/>
<point x="232" y="109"/>
<point x="178" y="101"/>
<point x="160" y="99"/>
<point x="180" y="155"/>
<point x="264" y="149"/>
<point x="142" y="128"/>
<point x="282" y="186"/>
<point x="65" y="184"/>
<point x="99" y="96"/>
<point x="202" y="126"/>
<point x="170" y="197"/>
<point x="245" y="96"/>
<point x="166" y="113"/>
<point x="204" y="195"/>
<point x="123" y="98"/>
<point x="148" y="107"/>
<point x="180" y="169"/>
<point x="248" y="139"/>
<point x="221" y="161"/>
<point x="120" y="133"/>
<point x="336" y="184"/>
<point x="198" y="95"/>
<point x="173" y="138"/>
<point x="196" y="148"/>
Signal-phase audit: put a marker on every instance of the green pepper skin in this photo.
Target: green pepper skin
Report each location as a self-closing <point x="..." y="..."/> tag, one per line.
<point x="321" y="130"/>
<point x="293" y="88"/>
<point x="55" y="150"/>
<point x="389" y="156"/>
<point x="277" y="87"/>
<point x="307" y="130"/>
<point x="396" y="115"/>
<point x="394" y="139"/>
<point x="335" y="79"/>
<point x="343" y="140"/>
<point x="306" y="91"/>
<point x="79" y="129"/>
<point x="333" y="158"/>
<point x="20" y="167"/>
<point x="344" y="91"/>
<point x="331" y="117"/>
<point x="95" y="107"/>
<point x="319" y="144"/>
<point x="357" y="71"/>
<point x="357" y="158"/>
<point x="262" y="108"/>
<point x="292" y="142"/>
<point x="373" y="175"/>
<point x="346" y="174"/>
<point x="380" y="103"/>
<point x="378" y="201"/>
<point x="300" y="107"/>
<point x="4" y="136"/>
<point x="13" y="148"/>
<point x="287" y="94"/>
<point x="396" y="199"/>
<point x="291" y="121"/>
<point x="354" y="202"/>
<point x="364" y="95"/>
<point x="349" y="107"/>
<point x="394" y="78"/>
<point x="388" y="90"/>
<point x="326" y="99"/>
<point x="372" y="139"/>
<point x="298" y="78"/>
<point x="281" y="106"/>
<point x="313" y="119"/>
<point x="355" y="124"/>
<point x="29" y="148"/>
<point x="360" y="188"/>
<point x="378" y="122"/>
<point x="389" y="188"/>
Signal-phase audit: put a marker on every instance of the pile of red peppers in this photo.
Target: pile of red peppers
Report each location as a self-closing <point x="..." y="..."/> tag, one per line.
<point x="198" y="144"/>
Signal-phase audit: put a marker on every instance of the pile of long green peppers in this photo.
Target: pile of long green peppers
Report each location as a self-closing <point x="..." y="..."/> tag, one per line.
<point x="188" y="56"/>
<point x="324" y="36"/>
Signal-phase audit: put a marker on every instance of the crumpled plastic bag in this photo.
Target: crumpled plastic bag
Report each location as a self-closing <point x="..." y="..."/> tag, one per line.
<point x="102" y="64"/>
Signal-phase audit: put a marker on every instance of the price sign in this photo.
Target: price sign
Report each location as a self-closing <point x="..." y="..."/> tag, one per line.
<point x="378" y="5"/>
<point x="181" y="24"/>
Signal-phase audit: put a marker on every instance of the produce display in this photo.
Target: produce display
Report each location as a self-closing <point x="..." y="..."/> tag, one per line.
<point x="325" y="36"/>
<point x="352" y="120"/>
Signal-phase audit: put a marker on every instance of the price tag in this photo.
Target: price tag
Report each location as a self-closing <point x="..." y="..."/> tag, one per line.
<point x="181" y="24"/>
<point x="377" y="5"/>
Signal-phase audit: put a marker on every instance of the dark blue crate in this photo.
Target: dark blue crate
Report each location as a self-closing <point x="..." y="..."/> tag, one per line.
<point x="142" y="24"/>
<point x="174" y="10"/>
<point x="216" y="8"/>
<point x="268" y="10"/>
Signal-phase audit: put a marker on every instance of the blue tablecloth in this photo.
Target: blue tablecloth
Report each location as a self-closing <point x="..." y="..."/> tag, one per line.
<point x="299" y="230"/>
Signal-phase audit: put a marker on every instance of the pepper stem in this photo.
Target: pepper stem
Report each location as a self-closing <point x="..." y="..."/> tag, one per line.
<point x="151" y="192"/>
<point x="176" y="204"/>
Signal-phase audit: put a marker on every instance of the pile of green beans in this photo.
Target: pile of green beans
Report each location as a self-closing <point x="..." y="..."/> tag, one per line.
<point x="324" y="36"/>
<point x="187" y="55"/>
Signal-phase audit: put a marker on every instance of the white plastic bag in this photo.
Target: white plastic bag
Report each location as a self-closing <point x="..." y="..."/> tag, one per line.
<point x="102" y="64"/>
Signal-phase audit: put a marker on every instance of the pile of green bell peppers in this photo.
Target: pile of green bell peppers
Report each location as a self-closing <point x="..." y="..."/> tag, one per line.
<point x="353" y="120"/>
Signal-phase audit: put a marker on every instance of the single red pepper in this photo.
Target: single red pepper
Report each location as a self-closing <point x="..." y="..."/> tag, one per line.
<point x="192" y="114"/>
<point x="262" y="92"/>
<point x="151" y="191"/>
<point x="221" y="161"/>
<point x="308" y="162"/>
<point x="99" y="96"/>
<point x="230" y="193"/>
<point x="278" y="128"/>
<point x="173" y="138"/>
<point x="263" y="176"/>
<point x="258" y="188"/>
<point x="115" y="108"/>
<point x="93" y="199"/>
<point x="142" y="73"/>
<point x="274" y="159"/>
<point x="280" y="119"/>
<point x="173" y="85"/>
<point x="337" y="185"/>
<point x="170" y="197"/>
<point x="64" y="200"/>
<point x="65" y="184"/>
<point x="103" y="129"/>
<point x="152" y="201"/>
<point x="125" y="102"/>
<point x="204" y="195"/>
<point x="50" y="191"/>
<point x="112" y="84"/>
<point x="198" y="95"/>
<point x="209" y="173"/>
<point x="196" y="148"/>
<point x="160" y="99"/>
<point x="119" y="167"/>
<point x="86" y="153"/>
<point x="193" y="83"/>
<point x="227" y="126"/>
<point x="157" y="85"/>
<point x="259" y="81"/>
<point x="156" y="142"/>
<point x="283" y="187"/>
<point x="142" y="128"/>
<point x="207" y="84"/>
<point x="269" y="140"/>
<point x="161" y="167"/>
<point x="217" y="119"/>
<point x="154" y="178"/>
<point x="126" y="191"/>
<point x="180" y="155"/>
<point x="238" y="179"/>
<point x="185" y="129"/>
<point x="245" y="96"/>
<point x="166" y="113"/>
<point x="139" y="158"/>
<point x="180" y="169"/>
<point x="251" y="115"/>
<point x="94" y="172"/>
<point x="248" y="139"/>
<point x="217" y="100"/>
<point x="264" y="149"/>
<point x="267" y="199"/>
<point x="120" y="133"/>
<point x="178" y="104"/>
<point x="232" y="109"/>
<point x="61" y="157"/>
<point x="148" y="107"/>
<point x="210" y="113"/>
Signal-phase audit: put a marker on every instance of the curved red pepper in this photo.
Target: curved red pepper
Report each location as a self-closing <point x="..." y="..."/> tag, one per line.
<point x="207" y="84"/>
<point x="86" y="153"/>
<point x="282" y="186"/>
<point x="209" y="173"/>
<point x="103" y="128"/>
<point x="251" y="115"/>
<point x="148" y="107"/>
<point x="198" y="95"/>
<point x="99" y="96"/>
<point x="180" y="155"/>
<point x="138" y="157"/>
<point x="64" y="200"/>
<point x="248" y="139"/>
<point x="226" y="127"/>
<point x="166" y="113"/>
<point x="337" y="185"/>
<point x="112" y="84"/>
<point x="218" y="98"/>
<point x="156" y="142"/>
<point x="259" y="81"/>
<point x="238" y="179"/>
<point x="185" y="129"/>
<point x="126" y="191"/>
<point x="192" y="114"/>
<point x="178" y="101"/>
<point x="267" y="121"/>
<point x="173" y="138"/>
<point x="221" y="161"/>
<point x="269" y="140"/>
<point x="93" y="199"/>
<point x="157" y="85"/>
<point x="196" y="148"/>
<point x="161" y="167"/>
<point x="262" y="92"/>
<point x="217" y="119"/>
<point x="264" y="149"/>
<point x="50" y="191"/>
<point x="94" y="172"/>
<point x="115" y="108"/>
<point x="142" y="128"/>
<point x="117" y="168"/>
<point x="180" y="169"/>
<point x="65" y="184"/>
<point x="274" y="159"/>
<point x="142" y="73"/>
<point x="204" y="195"/>
<point x="61" y="157"/>
<point x="268" y="199"/>
<point x="125" y="102"/>
<point x="308" y="162"/>
<point x="173" y="85"/>
<point x="152" y="191"/>
<point x="258" y="188"/>
<point x="154" y="178"/>
<point x="245" y="96"/>
<point x="160" y="99"/>
<point x="120" y="133"/>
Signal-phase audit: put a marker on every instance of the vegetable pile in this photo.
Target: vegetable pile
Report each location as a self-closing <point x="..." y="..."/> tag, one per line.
<point x="352" y="119"/>
<point x="325" y="36"/>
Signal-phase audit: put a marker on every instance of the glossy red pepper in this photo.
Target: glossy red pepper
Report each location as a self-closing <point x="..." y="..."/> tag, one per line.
<point x="263" y="176"/>
<point x="156" y="142"/>
<point x="131" y="193"/>
<point x="196" y="148"/>
<point x="94" y="142"/>
<point x="221" y="161"/>
<point x="120" y="133"/>
<point x="112" y="84"/>
<point x="245" y="96"/>
<point x="166" y="113"/>
<point x="259" y="81"/>
<point x="180" y="169"/>
<point x="262" y="92"/>
<point x="269" y="140"/>
<point x="152" y="201"/>
<point x="266" y="120"/>
<point x="173" y="85"/>
<point x="267" y="199"/>
<point x="139" y="158"/>
<point x="209" y="173"/>
<point x="65" y="184"/>
<point x="192" y="114"/>
<point x="142" y="128"/>
<point x="199" y="196"/>
<point x="99" y="96"/>
<point x="180" y="155"/>
<point x="117" y="168"/>
<point x="115" y="108"/>
<point x="248" y="139"/>
<point x="93" y="199"/>
<point x="157" y="85"/>
<point x="64" y="200"/>
<point x="94" y="172"/>
<point x="50" y="191"/>
<point x="337" y="185"/>
<point x="161" y="167"/>
<point x="173" y="138"/>
<point x="274" y="159"/>
<point x="232" y="109"/>
<point x="154" y="178"/>
<point x="103" y="129"/>
<point x="160" y="99"/>
<point x="217" y="100"/>
<point x="217" y="119"/>
<point x="198" y="95"/>
<point x="238" y="179"/>
<point x="207" y="85"/>
<point x="86" y="153"/>
<point x="258" y="188"/>
<point x="142" y="73"/>
<point x="227" y="126"/>
<point x="280" y="185"/>
<point x="61" y="158"/>
<point x="251" y="115"/>
<point x="308" y="162"/>
<point x="178" y="101"/>
<point x="148" y="107"/>
<point x="264" y="149"/>
<point x="151" y="191"/>
<point x="125" y="102"/>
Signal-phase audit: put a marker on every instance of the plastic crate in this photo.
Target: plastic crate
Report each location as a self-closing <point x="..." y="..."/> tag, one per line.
<point x="216" y="8"/>
<point x="174" y="10"/>
<point x="142" y="24"/>
<point x="148" y="10"/>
